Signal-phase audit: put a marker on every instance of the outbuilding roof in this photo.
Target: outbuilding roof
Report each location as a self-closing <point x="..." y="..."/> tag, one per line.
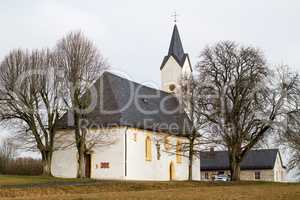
<point x="254" y="159"/>
<point x="121" y="102"/>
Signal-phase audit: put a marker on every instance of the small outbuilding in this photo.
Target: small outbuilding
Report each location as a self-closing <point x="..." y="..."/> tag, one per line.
<point x="258" y="165"/>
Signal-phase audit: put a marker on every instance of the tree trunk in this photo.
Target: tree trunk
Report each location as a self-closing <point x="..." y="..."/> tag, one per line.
<point x="81" y="165"/>
<point x="81" y="154"/>
<point x="235" y="169"/>
<point x="80" y="144"/>
<point x="46" y="162"/>
<point x="191" y="153"/>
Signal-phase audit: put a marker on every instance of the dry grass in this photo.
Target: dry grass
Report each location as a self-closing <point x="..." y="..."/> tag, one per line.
<point x="150" y="190"/>
<point x="20" y="180"/>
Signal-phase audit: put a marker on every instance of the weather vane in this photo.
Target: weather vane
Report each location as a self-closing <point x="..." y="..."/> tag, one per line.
<point x="175" y="15"/>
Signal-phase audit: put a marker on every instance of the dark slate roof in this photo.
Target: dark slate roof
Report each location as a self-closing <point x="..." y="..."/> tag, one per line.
<point x="128" y="100"/>
<point x="176" y="49"/>
<point x="254" y="159"/>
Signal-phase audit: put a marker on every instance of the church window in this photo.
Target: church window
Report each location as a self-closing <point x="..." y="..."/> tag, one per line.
<point x="135" y="137"/>
<point x="158" y="150"/>
<point x="178" y="152"/>
<point x="167" y="143"/>
<point x="148" y="149"/>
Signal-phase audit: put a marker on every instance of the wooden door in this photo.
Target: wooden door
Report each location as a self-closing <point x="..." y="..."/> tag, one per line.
<point x="88" y="165"/>
<point x="172" y="171"/>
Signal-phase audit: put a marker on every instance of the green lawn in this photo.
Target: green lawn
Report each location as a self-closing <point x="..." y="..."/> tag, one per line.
<point x="24" y="187"/>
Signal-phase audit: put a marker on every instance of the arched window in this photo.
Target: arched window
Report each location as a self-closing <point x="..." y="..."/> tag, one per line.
<point x="148" y="145"/>
<point x="167" y="143"/>
<point x="178" y="152"/>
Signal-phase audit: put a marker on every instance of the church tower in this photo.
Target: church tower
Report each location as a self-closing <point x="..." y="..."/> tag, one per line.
<point x="175" y="64"/>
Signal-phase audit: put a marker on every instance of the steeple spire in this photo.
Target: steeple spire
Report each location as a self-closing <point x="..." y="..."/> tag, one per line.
<point x="174" y="65"/>
<point x="176" y="49"/>
<point x="175" y="15"/>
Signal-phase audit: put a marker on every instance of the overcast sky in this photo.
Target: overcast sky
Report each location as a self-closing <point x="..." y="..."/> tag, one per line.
<point x="134" y="35"/>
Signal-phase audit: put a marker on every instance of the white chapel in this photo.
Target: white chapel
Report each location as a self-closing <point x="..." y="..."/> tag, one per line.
<point x="134" y="132"/>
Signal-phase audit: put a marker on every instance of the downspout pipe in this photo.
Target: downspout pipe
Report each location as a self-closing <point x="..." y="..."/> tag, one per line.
<point x="125" y="150"/>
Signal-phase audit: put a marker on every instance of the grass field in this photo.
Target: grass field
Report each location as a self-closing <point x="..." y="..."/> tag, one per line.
<point x="17" y="187"/>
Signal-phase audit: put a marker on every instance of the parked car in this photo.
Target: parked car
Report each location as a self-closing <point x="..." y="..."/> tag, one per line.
<point x="222" y="177"/>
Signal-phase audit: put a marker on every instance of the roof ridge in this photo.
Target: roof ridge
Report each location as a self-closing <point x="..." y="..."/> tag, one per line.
<point x="277" y="149"/>
<point x="118" y="76"/>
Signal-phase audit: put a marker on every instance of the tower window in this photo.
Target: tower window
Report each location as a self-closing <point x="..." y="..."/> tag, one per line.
<point x="145" y="101"/>
<point x="172" y="87"/>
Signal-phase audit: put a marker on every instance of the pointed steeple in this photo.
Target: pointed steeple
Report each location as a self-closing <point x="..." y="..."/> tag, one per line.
<point x="176" y="48"/>
<point x="175" y="64"/>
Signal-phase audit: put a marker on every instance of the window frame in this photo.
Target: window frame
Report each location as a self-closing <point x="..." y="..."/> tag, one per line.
<point x="167" y="143"/>
<point x="257" y="175"/>
<point x="206" y="175"/>
<point x="179" y="152"/>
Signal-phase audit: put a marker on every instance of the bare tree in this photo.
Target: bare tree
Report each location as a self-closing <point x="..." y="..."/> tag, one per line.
<point x="81" y="64"/>
<point x="190" y="96"/>
<point x="290" y="137"/>
<point x="7" y="152"/>
<point x="244" y="99"/>
<point x="29" y="100"/>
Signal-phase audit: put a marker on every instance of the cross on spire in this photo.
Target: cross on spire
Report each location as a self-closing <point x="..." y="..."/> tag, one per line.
<point x="175" y="15"/>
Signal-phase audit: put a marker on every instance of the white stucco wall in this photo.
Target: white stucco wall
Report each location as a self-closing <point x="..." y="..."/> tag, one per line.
<point x="170" y="74"/>
<point x="111" y="152"/>
<point x="64" y="162"/>
<point x="108" y="148"/>
<point x="140" y="169"/>
<point x="186" y="68"/>
<point x="196" y="169"/>
<point x="279" y="172"/>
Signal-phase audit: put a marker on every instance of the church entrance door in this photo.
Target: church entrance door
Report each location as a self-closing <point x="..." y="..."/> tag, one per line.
<point x="172" y="171"/>
<point x="88" y="165"/>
